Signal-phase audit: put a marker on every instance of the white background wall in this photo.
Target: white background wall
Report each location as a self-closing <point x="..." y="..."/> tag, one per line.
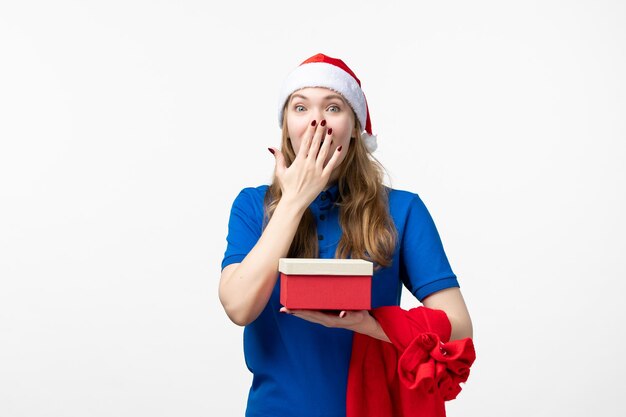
<point x="128" y="127"/>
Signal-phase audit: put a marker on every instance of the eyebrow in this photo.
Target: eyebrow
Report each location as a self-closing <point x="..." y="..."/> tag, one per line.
<point x="328" y="97"/>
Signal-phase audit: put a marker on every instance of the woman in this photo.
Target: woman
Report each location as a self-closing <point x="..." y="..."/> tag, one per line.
<point x="327" y="200"/>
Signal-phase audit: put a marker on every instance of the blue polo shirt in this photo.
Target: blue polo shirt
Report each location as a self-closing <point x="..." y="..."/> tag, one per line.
<point x="300" y="368"/>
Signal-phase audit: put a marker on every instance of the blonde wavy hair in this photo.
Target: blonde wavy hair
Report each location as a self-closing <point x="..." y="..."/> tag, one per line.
<point x="368" y="229"/>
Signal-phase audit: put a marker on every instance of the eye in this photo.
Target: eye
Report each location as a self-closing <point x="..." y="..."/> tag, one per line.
<point x="299" y="108"/>
<point x="333" y="108"/>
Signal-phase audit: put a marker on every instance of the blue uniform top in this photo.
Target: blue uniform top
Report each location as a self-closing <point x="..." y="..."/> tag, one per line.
<point x="301" y="368"/>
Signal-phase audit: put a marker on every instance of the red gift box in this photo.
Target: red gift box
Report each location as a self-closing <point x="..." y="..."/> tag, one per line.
<point x="325" y="284"/>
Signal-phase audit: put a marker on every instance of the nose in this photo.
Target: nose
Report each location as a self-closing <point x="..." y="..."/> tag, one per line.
<point x="317" y="115"/>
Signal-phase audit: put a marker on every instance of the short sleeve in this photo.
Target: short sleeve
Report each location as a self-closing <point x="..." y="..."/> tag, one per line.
<point x="245" y="225"/>
<point x="424" y="265"/>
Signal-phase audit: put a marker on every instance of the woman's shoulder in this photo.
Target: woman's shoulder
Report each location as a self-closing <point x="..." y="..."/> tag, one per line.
<point x="403" y="202"/>
<point x="251" y="195"/>
<point x="255" y="190"/>
<point x="397" y="196"/>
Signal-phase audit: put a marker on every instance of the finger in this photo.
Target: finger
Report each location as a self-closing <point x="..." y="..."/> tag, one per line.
<point x="328" y="169"/>
<point x="310" y="315"/>
<point x="314" y="317"/>
<point x="317" y="140"/>
<point x="321" y="157"/>
<point x="280" y="160"/>
<point x="306" y="140"/>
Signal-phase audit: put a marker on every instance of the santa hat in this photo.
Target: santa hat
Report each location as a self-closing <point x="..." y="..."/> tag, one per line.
<point x="323" y="71"/>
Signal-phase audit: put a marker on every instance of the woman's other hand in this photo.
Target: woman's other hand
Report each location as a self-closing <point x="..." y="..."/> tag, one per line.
<point x="360" y="321"/>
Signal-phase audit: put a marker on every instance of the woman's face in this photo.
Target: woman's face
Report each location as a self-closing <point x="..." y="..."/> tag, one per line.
<point x="316" y="103"/>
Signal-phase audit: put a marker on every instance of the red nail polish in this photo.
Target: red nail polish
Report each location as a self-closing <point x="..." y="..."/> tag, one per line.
<point x="323" y="123"/>
<point x="313" y="123"/>
<point x="339" y="148"/>
<point x="271" y="150"/>
<point x="330" y="131"/>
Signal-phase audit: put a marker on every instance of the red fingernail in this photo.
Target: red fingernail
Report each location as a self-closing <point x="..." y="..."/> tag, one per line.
<point x="323" y="123"/>
<point x="313" y="123"/>
<point x="330" y="131"/>
<point x="271" y="150"/>
<point x="339" y="148"/>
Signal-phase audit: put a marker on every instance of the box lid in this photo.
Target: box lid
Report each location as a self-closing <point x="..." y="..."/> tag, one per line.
<point x="313" y="266"/>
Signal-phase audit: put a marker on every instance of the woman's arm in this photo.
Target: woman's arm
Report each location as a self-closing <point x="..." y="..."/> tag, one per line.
<point x="245" y="288"/>
<point x="451" y="301"/>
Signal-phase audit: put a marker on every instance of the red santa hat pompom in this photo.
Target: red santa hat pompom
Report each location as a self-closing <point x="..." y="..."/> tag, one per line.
<point x="323" y="71"/>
